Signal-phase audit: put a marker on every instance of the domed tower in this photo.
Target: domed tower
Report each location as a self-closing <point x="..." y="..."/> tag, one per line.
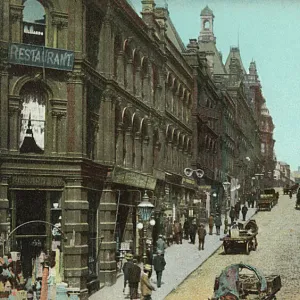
<point x="207" y="26"/>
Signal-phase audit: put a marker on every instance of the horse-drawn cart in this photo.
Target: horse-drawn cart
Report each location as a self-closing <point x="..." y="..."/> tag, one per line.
<point x="233" y="284"/>
<point x="241" y="239"/>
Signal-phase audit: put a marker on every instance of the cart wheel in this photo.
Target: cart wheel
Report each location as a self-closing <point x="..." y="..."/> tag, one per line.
<point x="247" y="248"/>
<point x="225" y="249"/>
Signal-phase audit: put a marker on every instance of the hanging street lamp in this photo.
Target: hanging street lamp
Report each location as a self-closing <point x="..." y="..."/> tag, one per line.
<point x="226" y="185"/>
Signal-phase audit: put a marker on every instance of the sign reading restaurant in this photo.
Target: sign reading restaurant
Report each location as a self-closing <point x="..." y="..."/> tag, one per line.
<point x="40" y="56"/>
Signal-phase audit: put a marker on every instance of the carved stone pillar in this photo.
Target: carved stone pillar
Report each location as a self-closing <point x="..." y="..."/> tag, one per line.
<point x="4" y="206"/>
<point x="120" y="68"/>
<point x="129" y="76"/>
<point x="146" y="89"/>
<point x="75" y="227"/>
<point x="137" y="151"/>
<point x="109" y="123"/>
<point x="54" y="131"/>
<point x="145" y="155"/>
<point x="119" y="146"/>
<point x="14" y="128"/>
<point x="107" y="222"/>
<point x="16" y="30"/>
<point x="138" y="83"/>
<point x="4" y="107"/>
<point x="128" y="146"/>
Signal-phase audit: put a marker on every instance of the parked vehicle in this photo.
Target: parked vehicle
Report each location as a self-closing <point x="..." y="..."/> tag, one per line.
<point x="234" y="285"/>
<point x="267" y="200"/>
<point x="241" y="238"/>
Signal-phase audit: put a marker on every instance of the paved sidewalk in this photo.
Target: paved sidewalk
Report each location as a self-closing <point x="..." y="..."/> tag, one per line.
<point x="181" y="261"/>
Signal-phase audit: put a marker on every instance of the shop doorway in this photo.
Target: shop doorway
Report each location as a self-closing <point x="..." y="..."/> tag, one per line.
<point x="30" y="238"/>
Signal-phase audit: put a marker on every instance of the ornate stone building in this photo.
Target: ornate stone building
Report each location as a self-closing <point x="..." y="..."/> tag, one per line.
<point x="95" y="111"/>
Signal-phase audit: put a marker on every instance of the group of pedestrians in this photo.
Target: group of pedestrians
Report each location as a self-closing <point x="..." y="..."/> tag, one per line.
<point x="135" y="275"/>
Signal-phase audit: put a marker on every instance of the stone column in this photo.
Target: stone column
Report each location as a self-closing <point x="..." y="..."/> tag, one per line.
<point x="14" y="128"/>
<point x="146" y="89"/>
<point x="4" y="107"/>
<point x="62" y="132"/>
<point x="107" y="223"/>
<point x="138" y="83"/>
<point x="4" y="206"/>
<point x="119" y="146"/>
<point x="16" y="31"/>
<point x="137" y="151"/>
<point x="109" y="127"/>
<point x="54" y="131"/>
<point x="76" y="114"/>
<point x="144" y="154"/>
<point x="75" y="227"/>
<point x="128" y="146"/>
<point x="129" y="76"/>
<point x="120" y="68"/>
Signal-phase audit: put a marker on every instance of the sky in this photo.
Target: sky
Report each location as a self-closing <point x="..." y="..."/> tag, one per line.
<point x="266" y="31"/>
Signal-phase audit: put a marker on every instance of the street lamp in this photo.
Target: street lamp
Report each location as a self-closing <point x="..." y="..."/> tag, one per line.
<point x="145" y="209"/>
<point x="226" y="185"/>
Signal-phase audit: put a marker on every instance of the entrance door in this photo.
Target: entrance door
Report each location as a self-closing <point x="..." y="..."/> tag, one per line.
<point x="30" y="238"/>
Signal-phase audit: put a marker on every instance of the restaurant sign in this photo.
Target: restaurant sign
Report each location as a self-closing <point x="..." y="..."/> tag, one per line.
<point x="127" y="177"/>
<point x="40" y="56"/>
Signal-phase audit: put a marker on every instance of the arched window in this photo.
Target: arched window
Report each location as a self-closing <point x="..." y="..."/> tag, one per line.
<point x="34" y="23"/>
<point x="33" y="113"/>
<point x="206" y="24"/>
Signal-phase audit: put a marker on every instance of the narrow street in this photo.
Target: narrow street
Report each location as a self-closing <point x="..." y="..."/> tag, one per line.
<point x="277" y="253"/>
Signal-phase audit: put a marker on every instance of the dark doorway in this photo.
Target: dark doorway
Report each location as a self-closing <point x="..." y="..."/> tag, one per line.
<point x="30" y="238"/>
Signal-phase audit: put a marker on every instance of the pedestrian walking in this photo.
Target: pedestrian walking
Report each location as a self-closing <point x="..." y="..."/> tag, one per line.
<point x="176" y="231"/>
<point x="180" y="233"/>
<point x="134" y="276"/>
<point x="201" y="236"/>
<point x="159" y="265"/>
<point x="169" y="232"/>
<point x="161" y="244"/>
<point x="218" y="223"/>
<point x="237" y="209"/>
<point x="193" y="230"/>
<point x="211" y="224"/>
<point x="232" y="214"/>
<point x="186" y="227"/>
<point x="146" y="287"/>
<point x="244" y="212"/>
<point x="126" y="266"/>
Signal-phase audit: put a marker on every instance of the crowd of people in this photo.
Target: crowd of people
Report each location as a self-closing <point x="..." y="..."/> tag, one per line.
<point x="174" y="233"/>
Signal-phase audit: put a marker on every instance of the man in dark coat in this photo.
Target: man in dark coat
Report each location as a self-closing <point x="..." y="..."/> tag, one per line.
<point x="232" y="214"/>
<point x="134" y="276"/>
<point x="169" y="232"/>
<point x="237" y="209"/>
<point x="177" y="232"/>
<point x="186" y="227"/>
<point x="127" y="265"/>
<point x="244" y="212"/>
<point x="193" y="230"/>
<point x="218" y="223"/>
<point x="159" y="265"/>
<point x="201" y="236"/>
<point x="211" y="224"/>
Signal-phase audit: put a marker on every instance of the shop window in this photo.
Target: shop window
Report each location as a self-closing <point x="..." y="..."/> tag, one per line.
<point x="34" y="23"/>
<point x="32" y="130"/>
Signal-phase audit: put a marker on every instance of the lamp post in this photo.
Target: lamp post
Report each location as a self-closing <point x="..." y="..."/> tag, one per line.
<point x="145" y="209"/>
<point x="226" y="185"/>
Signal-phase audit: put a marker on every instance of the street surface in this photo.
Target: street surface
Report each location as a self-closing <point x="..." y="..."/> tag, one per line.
<point x="277" y="253"/>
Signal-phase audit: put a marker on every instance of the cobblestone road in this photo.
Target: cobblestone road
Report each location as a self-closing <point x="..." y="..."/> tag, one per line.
<point x="277" y="253"/>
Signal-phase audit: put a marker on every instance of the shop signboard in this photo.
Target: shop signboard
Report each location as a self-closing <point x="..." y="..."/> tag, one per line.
<point x="188" y="182"/>
<point x="205" y="187"/>
<point x="127" y="177"/>
<point x="40" y="56"/>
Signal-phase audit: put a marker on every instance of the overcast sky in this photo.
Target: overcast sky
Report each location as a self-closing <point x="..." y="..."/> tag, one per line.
<point x="267" y="31"/>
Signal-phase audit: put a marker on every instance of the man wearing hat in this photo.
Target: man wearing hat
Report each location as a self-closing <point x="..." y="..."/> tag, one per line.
<point x="161" y="244"/>
<point x="146" y="287"/>
<point x="201" y="236"/>
<point x="127" y="265"/>
<point x="134" y="276"/>
<point x="218" y="223"/>
<point x="159" y="265"/>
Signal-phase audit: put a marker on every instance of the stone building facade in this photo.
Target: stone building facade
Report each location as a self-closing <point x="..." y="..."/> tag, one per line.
<point x="96" y="111"/>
